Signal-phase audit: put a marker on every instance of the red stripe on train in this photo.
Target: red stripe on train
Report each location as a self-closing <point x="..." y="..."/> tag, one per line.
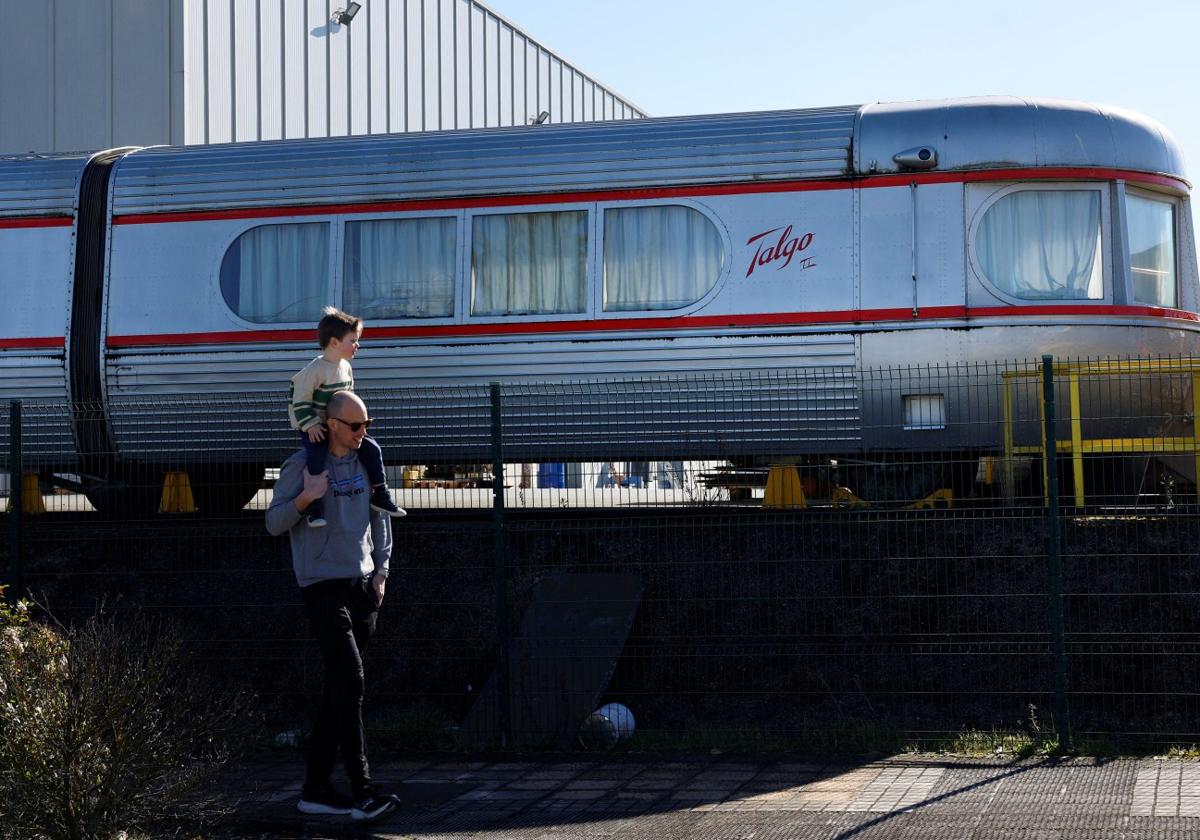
<point x="686" y="322"/>
<point x="42" y="222"/>
<point x="651" y="193"/>
<point x="31" y="343"/>
<point x="1081" y="309"/>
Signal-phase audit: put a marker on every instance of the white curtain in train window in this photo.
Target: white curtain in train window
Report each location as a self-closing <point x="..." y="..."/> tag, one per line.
<point x="659" y="257"/>
<point x="278" y="273"/>
<point x="1151" y="250"/>
<point x="400" y="268"/>
<point x="529" y="263"/>
<point x="1044" y="245"/>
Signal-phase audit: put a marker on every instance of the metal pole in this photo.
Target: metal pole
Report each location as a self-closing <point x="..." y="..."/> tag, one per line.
<point x="500" y="558"/>
<point x="1062" y="723"/>
<point x="16" y="472"/>
<point x="912" y="188"/>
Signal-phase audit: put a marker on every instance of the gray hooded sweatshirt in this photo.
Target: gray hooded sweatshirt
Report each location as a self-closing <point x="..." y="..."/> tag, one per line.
<point x="356" y="541"/>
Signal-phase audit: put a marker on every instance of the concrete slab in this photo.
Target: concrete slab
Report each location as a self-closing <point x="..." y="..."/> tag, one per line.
<point x="900" y="797"/>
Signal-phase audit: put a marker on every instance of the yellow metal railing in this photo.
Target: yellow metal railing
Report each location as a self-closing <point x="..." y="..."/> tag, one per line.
<point x="1078" y="446"/>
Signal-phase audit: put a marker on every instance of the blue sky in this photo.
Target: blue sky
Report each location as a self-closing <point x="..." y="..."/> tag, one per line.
<point x="708" y="56"/>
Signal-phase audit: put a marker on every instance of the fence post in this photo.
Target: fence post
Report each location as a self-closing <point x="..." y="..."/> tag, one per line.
<point x="500" y="560"/>
<point x="16" y="473"/>
<point x="1062" y="723"/>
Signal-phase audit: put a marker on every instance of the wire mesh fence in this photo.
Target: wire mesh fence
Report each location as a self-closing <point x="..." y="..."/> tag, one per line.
<point x="810" y="558"/>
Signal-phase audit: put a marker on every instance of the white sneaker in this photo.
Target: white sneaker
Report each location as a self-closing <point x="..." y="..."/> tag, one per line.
<point x="373" y="807"/>
<point x="325" y="802"/>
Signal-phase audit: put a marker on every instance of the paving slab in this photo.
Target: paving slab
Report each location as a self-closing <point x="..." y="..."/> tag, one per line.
<point x="896" y="797"/>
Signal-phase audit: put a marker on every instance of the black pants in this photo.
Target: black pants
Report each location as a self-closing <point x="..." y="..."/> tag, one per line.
<point x="342" y="613"/>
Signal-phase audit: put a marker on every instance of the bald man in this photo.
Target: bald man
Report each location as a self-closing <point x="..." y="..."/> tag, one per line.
<point x="342" y="571"/>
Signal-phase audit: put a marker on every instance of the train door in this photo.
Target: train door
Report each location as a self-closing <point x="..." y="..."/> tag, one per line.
<point x="912" y="300"/>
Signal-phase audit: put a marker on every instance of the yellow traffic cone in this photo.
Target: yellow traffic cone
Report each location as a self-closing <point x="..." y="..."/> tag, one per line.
<point x="177" y="494"/>
<point x="784" y="489"/>
<point x="31" y="495"/>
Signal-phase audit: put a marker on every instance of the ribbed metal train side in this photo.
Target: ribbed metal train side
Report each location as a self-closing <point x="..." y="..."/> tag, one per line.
<point x="693" y="387"/>
<point x="37" y="234"/>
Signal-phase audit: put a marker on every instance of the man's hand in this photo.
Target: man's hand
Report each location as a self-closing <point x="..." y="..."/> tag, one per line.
<point x="316" y="434"/>
<point x="314" y="489"/>
<point x="378" y="582"/>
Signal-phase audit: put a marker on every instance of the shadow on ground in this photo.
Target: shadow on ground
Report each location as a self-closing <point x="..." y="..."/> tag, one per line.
<point x="861" y="795"/>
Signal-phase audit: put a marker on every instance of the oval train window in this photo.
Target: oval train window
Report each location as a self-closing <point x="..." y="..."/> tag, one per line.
<point x="662" y="257"/>
<point x="278" y="274"/>
<point x="1043" y="245"/>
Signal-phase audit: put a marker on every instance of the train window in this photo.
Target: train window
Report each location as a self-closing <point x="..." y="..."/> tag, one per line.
<point x="1151" y="249"/>
<point x="529" y="263"/>
<point x="924" y="411"/>
<point x="400" y="268"/>
<point x="659" y="257"/>
<point x="278" y="274"/>
<point x="1043" y="245"/>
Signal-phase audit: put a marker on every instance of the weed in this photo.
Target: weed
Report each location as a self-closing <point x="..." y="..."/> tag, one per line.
<point x="421" y="727"/>
<point x="844" y="737"/>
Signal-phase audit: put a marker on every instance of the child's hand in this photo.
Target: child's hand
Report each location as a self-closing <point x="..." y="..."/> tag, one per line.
<point x="317" y="433"/>
<point x="314" y="488"/>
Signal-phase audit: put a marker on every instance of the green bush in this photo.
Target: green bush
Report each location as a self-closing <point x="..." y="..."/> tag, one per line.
<point x="106" y="727"/>
<point x="14" y="615"/>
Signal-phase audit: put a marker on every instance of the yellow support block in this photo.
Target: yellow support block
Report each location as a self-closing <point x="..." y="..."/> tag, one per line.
<point x="177" y="494"/>
<point x="943" y="498"/>
<point x="31" y="495"/>
<point x="844" y="497"/>
<point x="784" y="489"/>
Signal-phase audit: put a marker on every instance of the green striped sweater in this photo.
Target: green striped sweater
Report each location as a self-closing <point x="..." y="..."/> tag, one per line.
<point x="311" y="389"/>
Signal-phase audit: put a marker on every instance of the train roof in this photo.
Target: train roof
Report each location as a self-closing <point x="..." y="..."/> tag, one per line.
<point x="1002" y="131"/>
<point x="40" y="185"/>
<point x="816" y="143"/>
<point x="503" y="161"/>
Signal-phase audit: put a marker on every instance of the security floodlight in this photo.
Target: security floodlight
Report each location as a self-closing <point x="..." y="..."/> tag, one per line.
<point x="344" y="16"/>
<point x="540" y="118"/>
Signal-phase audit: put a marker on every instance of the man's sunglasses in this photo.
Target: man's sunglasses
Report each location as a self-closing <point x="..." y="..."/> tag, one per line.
<point x="354" y="427"/>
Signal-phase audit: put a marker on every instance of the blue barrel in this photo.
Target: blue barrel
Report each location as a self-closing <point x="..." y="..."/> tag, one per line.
<point x="552" y="475"/>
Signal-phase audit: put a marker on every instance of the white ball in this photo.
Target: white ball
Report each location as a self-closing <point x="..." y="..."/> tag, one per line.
<point x="598" y="733"/>
<point x="621" y="717"/>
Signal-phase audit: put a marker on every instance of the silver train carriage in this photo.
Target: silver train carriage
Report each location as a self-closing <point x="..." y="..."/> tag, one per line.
<point x="685" y="262"/>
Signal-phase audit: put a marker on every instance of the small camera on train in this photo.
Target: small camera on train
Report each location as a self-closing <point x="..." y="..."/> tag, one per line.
<point x="919" y="157"/>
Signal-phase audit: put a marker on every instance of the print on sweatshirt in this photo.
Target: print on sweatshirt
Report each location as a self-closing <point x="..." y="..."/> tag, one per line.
<point x="352" y="486"/>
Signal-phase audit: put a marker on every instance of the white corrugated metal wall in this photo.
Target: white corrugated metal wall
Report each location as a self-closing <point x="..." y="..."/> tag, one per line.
<point x="253" y="71"/>
<point x="85" y="74"/>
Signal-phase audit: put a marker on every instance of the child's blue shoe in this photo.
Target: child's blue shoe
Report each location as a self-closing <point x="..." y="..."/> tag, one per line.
<point x="381" y="500"/>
